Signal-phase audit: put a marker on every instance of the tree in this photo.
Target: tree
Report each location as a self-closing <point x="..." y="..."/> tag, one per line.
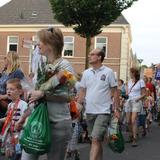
<point x="87" y="17"/>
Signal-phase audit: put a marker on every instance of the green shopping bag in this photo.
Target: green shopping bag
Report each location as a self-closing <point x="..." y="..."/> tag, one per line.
<point x="36" y="137"/>
<point x="115" y="137"/>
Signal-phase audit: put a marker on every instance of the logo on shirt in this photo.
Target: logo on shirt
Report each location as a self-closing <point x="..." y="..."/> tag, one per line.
<point x="103" y="77"/>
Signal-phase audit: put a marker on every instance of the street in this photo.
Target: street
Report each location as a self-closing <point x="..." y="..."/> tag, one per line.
<point x="148" y="149"/>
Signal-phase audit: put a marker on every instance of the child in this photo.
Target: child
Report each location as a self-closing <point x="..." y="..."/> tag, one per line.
<point x="72" y="148"/>
<point x="148" y="104"/>
<point x="10" y="136"/>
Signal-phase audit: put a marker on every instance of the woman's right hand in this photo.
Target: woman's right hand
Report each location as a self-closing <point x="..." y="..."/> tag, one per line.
<point x="35" y="95"/>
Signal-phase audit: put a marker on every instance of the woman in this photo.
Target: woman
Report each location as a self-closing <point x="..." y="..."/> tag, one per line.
<point x="11" y="70"/>
<point x="136" y="93"/>
<point x="51" y="45"/>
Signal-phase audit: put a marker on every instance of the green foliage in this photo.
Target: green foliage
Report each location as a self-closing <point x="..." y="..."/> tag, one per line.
<point x="88" y="16"/>
<point x="144" y="66"/>
<point x="41" y="76"/>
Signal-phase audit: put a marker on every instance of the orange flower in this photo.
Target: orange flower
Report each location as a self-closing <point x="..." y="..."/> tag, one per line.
<point x="114" y="137"/>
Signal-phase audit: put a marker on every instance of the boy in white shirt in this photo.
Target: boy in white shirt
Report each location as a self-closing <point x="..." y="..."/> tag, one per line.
<point x="10" y="136"/>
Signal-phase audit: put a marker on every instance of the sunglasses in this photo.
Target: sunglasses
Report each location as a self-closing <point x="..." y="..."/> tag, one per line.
<point x="51" y="29"/>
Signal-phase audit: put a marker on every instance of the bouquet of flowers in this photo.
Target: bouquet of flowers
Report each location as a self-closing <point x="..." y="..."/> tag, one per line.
<point x="47" y="80"/>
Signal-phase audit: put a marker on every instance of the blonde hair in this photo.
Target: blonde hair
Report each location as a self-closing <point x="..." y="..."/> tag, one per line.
<point x="13" y="61"/>
<point x="54" y="38"/>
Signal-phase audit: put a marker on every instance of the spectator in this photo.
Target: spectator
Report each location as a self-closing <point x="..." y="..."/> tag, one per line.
<point x="15" y="111"/>
<point x="12" y="70"/>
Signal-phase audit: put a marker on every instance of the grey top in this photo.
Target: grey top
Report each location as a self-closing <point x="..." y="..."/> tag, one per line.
<point x="60" y="111"/>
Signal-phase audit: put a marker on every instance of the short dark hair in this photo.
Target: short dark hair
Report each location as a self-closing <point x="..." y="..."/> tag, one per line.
<point x="135" y="72"/>
<point x="121" y="81"/>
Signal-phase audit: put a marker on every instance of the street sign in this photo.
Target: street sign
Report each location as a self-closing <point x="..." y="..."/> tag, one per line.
<point x="157" y="75"/>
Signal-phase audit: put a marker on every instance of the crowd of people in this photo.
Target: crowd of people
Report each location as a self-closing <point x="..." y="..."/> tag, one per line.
<point x="81" y="111"/>
<point x="139" y="105"/>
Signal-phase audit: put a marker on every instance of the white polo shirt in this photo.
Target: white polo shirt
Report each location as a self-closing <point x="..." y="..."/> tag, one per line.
<point x="98" y="84"/>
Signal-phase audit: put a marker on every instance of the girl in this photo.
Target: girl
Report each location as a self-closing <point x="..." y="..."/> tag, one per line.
<point x="148" y="104"/>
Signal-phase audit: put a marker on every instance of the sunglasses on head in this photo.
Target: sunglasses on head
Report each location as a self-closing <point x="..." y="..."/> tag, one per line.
<point x="50" y="29"/>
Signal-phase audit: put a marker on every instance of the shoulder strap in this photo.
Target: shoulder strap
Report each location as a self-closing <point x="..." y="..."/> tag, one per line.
<point x="132" y="87"/>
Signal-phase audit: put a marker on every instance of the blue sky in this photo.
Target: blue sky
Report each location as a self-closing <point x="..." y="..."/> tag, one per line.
<point x="143" y="17"/>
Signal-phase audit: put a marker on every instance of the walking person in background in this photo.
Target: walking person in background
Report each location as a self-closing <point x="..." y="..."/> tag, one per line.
<point x="122" y="97"/>
<point x="158" y="101"/>
<point x="98" y="87"/>
<point x="136" y="93"/>
<point x="148" y="104"/>
<point x="11" y="70"/>
<point x="51" y="45"/>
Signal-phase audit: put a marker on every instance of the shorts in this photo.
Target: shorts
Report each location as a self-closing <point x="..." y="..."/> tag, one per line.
<point x="141" y="120"/>
<point x="133" y="106"/>
<point x="97" y="125"/>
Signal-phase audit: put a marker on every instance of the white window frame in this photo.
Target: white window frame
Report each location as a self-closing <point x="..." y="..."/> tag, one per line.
<point x="95" y="46"/>
<point x="69" y="43"/>
<point x="34" y="39"/>
<point x="8" y="43"/>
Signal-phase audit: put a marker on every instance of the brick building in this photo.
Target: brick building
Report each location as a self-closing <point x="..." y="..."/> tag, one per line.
<point x="21" y="19"/>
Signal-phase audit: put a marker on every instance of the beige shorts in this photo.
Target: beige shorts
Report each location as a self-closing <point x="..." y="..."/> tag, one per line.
<point x="133" y="106"/>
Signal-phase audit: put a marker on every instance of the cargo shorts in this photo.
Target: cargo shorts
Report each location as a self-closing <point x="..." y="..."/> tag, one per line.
<point x="97" y="125"/>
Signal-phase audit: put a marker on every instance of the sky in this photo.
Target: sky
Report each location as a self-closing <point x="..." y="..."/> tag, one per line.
<point x="143" y="17"/>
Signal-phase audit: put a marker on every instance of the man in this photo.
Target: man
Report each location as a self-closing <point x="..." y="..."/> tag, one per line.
<point x="98" y="87"/>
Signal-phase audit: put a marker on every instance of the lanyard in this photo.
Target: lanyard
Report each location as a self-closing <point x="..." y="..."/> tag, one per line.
<point x="8" y="120"/>
<point x="14" y="112"/>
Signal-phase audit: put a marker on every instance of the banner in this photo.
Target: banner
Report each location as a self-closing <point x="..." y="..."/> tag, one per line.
<point x="157" y="75"/>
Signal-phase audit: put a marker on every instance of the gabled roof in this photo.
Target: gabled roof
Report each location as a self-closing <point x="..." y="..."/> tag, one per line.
<point x="26" y="12"/>
<point x="32" y="12"/>
<point x="120" y="20"/>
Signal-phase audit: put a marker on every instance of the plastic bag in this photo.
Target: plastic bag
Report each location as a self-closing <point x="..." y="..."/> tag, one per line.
<point x="116" y="140"/>
<point x="36" y="137"/>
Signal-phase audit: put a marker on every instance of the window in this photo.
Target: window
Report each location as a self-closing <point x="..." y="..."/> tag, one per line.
<point x="34" y="41"/>
<point x="12" y="43"/>
<point x="68" y="46"/>
<point x="101" y="43"/>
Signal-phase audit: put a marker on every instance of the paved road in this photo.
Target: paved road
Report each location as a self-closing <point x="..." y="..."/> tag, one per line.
<point x="148" y="149"/>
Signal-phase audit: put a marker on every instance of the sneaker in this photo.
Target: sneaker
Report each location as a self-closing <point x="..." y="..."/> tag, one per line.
<point x="144" y="134"/>
<point x="134" y="143"/>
